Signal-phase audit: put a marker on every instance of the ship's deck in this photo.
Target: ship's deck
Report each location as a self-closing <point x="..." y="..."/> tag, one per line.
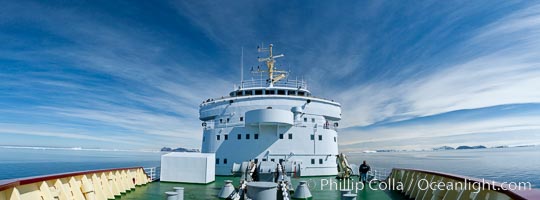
<point x="156" y="190"/>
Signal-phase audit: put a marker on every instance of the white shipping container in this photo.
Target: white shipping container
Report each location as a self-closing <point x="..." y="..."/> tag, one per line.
<point x="188" y="167"/>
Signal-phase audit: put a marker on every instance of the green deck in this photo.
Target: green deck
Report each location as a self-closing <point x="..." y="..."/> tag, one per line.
<point x="156" y="190"/>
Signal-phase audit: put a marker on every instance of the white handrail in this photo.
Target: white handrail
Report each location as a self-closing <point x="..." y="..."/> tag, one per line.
<point x="152" y="172"/>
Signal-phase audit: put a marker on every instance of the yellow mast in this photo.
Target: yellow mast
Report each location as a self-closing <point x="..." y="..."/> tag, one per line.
<point x="270" y="61"/>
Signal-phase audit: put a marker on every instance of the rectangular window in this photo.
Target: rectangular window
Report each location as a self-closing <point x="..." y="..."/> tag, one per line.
<point x="226" y="137"/>
<point x="241" y="119"/>
<point x="313" y="120"/>
<point x="217" y="161"/>
<point x="273" y="160"/>
<point x="290" y="136"/>
<point x="320" y="161"/>
<point x="264" y="159"/>
<point x="225" y="161"/>
<point x="203" y="138"/>
<point x="291" y="92"/>
<point x="305" y="119"/>
<point x="281" y="161"/>
<point x="281" y="136"/>
<point x="221" y="121"/>
<point x="227" y="120"/>
<point x="320" y="137"/>
<point x="312" y="161"/>
<point x="256" y="136"/>
<point x="312" y="137"/>
<point x="218" y="137"/>
<point x="239" y="136"/>
<point x="256" y="160"/>
<point x="247" y="136"/>
<point x="335" y="139"/>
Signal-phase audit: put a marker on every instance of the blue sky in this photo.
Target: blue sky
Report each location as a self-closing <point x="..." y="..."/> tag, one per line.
<point x="130" y="75"/>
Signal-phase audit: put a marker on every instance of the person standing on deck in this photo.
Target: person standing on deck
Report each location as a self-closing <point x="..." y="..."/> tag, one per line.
<point x="364" y="169"/>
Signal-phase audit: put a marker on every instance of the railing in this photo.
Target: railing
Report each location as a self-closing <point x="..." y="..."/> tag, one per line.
<point x="83" y="185"/>
<point x="300" y="84"/>
<point x="153" y="172"/>
<point x="379" y="173"/>
<point x="423" y="184"/>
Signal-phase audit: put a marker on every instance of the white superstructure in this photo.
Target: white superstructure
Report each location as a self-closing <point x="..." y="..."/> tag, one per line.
<point x="272" y="120"/>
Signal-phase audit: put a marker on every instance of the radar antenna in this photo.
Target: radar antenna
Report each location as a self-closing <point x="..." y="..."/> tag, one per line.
<point x="270" y="61"/>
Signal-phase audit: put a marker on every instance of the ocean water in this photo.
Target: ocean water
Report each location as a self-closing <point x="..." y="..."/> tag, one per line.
<point x="520" y="164"/>
<point x="502" y="165"/>
<point x="16" y="163"/>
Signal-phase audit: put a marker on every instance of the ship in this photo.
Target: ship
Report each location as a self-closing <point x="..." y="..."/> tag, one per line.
<point x="284" y="143"/>
<point x="271" y="117"/>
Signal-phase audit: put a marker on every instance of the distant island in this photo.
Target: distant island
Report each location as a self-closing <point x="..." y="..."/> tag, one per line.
<point x="179" y="149"/>
<point x="446" y="148"/>
<point x="443" y="148"/>
<point x="471" y="147"/>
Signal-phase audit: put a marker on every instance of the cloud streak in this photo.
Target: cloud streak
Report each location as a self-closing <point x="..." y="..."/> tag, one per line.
<point x="142" y="71"/>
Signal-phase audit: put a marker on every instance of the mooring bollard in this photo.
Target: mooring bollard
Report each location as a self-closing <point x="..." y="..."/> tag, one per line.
<point x="302" y="191"/>
<point x="226" y="190"/>
<point x="172" y="195"/>
<point x="348" y="197"/>
<point x="180" y="192"/>
<point x="262" y="190"/>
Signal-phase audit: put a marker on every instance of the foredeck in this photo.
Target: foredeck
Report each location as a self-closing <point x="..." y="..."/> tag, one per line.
<point x="156" y="190"/>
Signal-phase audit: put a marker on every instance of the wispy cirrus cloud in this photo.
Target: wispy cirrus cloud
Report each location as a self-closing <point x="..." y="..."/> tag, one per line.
<point x="141" y="72"/>
<point x="500" y="66"/>
<point x="99" y="70"/>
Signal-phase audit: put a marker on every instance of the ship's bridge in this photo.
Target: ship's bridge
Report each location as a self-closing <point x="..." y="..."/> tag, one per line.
<point x="260" y="87"/>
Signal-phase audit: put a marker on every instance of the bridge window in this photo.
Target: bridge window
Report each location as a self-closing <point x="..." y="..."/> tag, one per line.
<point x="248" y="92"/>
<point x="218" y="137"/>
<point x="291" y="92"/>
<point x="256" y="160"/>
<point x="290" y="136"/>
<point x="239" y="93"/>
<point x="239" y="136"/>
<point x="312" y="137"/>
<point x="281" y="92"/>
<point x="300" y="93"/>
<point x="256" y="136"/>
<point x="270" y="92"/>
<point x="313" y="161"/>
<point x="226" y="137"/>
<point x="247" y="136"/>
<point x="320" y="137"/>
<point x="320" y="161"/>
<point x="281" y="136"/>
<point x="225" y="161"/>
<point x="217" y="161"/>
<point x="258" y="92"/>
